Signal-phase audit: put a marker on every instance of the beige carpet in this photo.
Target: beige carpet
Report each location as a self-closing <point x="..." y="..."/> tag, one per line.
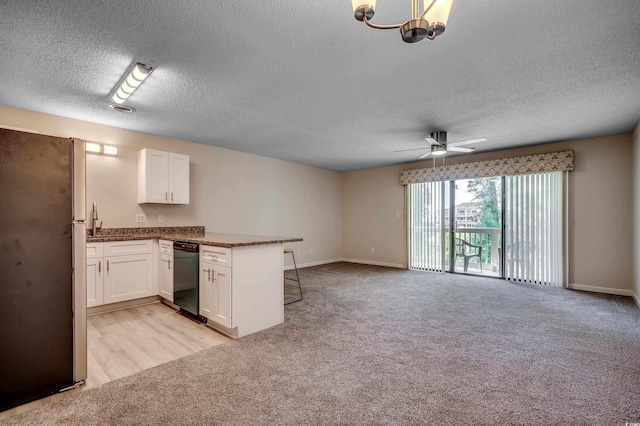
<point x="371" y="345"/>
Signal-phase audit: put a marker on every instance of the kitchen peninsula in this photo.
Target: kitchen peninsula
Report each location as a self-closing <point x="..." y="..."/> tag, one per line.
<point x="241" y="276"/>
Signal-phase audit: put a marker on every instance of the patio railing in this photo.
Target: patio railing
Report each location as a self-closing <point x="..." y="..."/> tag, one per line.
<point x="490" y="241"/>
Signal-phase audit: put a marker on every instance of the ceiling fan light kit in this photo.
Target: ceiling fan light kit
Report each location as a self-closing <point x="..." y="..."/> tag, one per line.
<point x="438" y="150"/>
<point x="429" y="23"/>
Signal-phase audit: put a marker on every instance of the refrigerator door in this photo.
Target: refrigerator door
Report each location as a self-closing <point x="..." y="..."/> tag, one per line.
<point x="36" y="276"/>
<point x="79" y="263"/>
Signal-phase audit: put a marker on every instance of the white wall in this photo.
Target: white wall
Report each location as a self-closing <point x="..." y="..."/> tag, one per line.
<point x="373" y="217"/>
<point x="231" y="192"/>
<point x="600" y="211"/>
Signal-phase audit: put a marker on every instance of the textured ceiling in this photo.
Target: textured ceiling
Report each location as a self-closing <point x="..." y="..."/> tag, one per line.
<point x="305" y="82"/>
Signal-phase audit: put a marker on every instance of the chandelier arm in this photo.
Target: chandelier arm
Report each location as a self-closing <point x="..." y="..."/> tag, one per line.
<point x="422" y="15"/>
<point x="380" y="27"/>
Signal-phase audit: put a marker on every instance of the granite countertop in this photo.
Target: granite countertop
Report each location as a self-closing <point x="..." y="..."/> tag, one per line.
<point x="193" y="234"/>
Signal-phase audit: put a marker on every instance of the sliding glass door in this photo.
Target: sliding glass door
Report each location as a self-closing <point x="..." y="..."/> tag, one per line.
<point x="509" y="227"/>
<point x="477" y="226"/>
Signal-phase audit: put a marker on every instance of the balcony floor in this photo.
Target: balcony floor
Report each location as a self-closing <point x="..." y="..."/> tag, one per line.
<point x="474" y="269"/>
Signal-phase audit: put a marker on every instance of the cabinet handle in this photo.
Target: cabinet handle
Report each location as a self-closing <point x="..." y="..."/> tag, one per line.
<point x="166" y="196"/>
<point x="169" y="262"/>
<point x="171" y="196"/>
<point x="214" y="276"/>
<point x="100" y="266"/>
<point x="107" y="266"/>
<point x="209" y="274"/>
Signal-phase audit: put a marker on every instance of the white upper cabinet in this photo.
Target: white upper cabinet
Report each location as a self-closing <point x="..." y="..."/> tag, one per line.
<point x="163" y="177"/>
<point x="178" y="179"/>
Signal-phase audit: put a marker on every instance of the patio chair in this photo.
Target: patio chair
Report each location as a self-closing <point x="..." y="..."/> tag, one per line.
<point x="467" y="251"/>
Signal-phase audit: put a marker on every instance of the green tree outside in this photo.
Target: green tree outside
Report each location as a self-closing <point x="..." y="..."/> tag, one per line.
<point x="486" y="191"/>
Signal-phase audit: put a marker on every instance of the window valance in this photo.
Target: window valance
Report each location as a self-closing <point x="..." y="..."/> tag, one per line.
<point x="538" y="163"/>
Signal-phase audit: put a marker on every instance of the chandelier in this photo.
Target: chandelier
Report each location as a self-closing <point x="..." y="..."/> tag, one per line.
<point x="430" y="23"/>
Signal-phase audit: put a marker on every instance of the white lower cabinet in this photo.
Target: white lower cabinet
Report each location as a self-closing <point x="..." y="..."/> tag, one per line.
<point x="128" y="277"/>
<point x="95" y="282"/>
<point x="216" y="291"/>
<point x="123" y="272"/>
<point x="241" y="288"/>
<point x="166" y="269"/>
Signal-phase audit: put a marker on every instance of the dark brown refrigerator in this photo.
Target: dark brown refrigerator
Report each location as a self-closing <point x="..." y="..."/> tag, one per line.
<point x="42" y="266"/>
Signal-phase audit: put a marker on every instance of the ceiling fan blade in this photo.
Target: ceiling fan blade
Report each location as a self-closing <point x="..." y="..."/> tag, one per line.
<point x="424" y="155"/>
<point x="458" y="149"/>
<point x="432" y="141"/>
<point x="412" y="149"/>
<point x="467" y="142"/>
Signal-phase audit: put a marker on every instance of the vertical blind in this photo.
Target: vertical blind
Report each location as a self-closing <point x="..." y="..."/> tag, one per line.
<point x="534" y="228"/>
<point x="426" y="226"/>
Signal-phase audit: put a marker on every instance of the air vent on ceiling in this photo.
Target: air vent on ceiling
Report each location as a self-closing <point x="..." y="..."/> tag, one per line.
<point x="122" y="108"/>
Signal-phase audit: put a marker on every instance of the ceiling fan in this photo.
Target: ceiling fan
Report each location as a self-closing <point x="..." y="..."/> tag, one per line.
<point x="438" y="145"/>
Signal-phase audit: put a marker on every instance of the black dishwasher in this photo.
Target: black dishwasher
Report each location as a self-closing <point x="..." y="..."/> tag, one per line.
<point x="185" y="276"/>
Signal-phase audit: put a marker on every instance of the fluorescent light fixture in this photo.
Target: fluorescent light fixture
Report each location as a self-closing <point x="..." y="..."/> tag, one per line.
<point x="133" y="80"/>
<point x="98" y="148"/>
<point x="93" y="147"/>
<point x="110" y="150"/>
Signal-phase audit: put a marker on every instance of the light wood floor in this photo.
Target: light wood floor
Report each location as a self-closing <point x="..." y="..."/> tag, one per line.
<point x="124" y="342"/>
<point x="121" y="343"/>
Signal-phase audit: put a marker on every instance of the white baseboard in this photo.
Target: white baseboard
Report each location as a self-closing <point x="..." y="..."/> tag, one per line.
<point x="607" y="290"/>
<point x="308" y="264"/>
<point x="374" y="263"/>
<point x="363" y="262"/>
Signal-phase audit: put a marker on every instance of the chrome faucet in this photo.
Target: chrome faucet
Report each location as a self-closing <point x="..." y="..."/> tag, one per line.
<point x="94" y="219"/>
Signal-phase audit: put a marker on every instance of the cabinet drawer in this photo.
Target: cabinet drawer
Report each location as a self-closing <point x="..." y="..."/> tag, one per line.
<point x="216" y="255"/>
<point x="94" y="250"/>
<point x="123" y="248"/>
<point x="166" y="247"/>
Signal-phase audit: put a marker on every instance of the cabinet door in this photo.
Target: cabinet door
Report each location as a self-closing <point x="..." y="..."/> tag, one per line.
<point x="206" y="290"/>
<point x="128" y="277"/>
<point x="95" y="274"/>
<point x="178" y="179"/>
<point x="153" y="176"/>
<point x="222" y="294"/>
<point x="166" y="276"/>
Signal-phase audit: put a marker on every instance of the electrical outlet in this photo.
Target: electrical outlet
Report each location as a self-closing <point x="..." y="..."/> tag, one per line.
<point x="160" y="218"/>
<point x="398" y="214"/>
<point x="373" y="250"/>
<point x="310" y="251"/>
<point x="140" y="218"/>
